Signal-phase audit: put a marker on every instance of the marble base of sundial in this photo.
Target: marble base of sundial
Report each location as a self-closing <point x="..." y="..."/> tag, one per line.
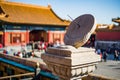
<point x="70" y="63"/>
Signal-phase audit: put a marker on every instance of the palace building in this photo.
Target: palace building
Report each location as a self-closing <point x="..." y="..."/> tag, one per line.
<point x="107" y="36"/>
<point x="21" y="23"/>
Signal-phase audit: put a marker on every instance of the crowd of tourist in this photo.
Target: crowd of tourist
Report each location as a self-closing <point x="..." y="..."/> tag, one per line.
<point x="39" y="46"/>
<point x="104" y="54"/>
<point x="42" y="46"/>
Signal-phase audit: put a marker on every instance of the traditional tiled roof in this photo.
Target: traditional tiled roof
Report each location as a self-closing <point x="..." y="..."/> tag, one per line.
<point x="19" y="13"/>
<point x="109" y="28"/>
<point x="116" y="20"/>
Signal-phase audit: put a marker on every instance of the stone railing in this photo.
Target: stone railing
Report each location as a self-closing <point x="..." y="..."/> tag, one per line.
<point x="19" y="60"/>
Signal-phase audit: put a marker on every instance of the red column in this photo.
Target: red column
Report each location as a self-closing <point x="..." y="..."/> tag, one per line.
<point x="5" y="38"/>
<point x="50" y="37"/>
<point x="62" y="37"/>
<point x="27" y="36"/>
<point x="4" y="43"/>
<point x="48" y="33"/>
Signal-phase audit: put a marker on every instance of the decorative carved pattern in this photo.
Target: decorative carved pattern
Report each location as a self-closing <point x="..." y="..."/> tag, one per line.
<point x="67" y="72"/>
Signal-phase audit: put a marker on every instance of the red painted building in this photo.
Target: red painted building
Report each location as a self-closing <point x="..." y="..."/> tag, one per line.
<point x="21" y="23"/>
<point x="109" y="36"/>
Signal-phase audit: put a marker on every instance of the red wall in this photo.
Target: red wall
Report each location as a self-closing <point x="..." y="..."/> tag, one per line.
<point x="108" y="36"/>
<point x="54" y="35"/>
<point x="7" y="38"/>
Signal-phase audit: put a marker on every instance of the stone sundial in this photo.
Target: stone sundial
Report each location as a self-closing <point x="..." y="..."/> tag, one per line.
<point x="66" y="61"/>
<point x="79" y="30"/>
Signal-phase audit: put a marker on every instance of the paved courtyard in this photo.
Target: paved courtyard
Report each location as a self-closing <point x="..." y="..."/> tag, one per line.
<point x="110" y="69"/>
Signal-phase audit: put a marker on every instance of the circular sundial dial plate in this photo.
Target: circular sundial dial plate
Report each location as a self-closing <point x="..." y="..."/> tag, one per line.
<point x="80" y="30"/>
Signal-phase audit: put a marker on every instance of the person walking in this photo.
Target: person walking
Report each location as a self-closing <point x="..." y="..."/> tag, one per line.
<point x="98" y="51"/>
<point x="116" y="55"/>
<point x="105" y="56"/>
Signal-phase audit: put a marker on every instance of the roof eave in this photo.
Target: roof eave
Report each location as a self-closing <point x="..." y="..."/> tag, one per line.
<point x="2" y="21"/>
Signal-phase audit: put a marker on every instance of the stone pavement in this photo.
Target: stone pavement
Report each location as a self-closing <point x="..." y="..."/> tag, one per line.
<point x="110" y="69"/>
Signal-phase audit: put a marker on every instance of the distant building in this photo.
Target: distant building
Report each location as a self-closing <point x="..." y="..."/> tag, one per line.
<point x="21" y="23"/>
<point x="117" y="20"/>
<point x="108" y="37"/>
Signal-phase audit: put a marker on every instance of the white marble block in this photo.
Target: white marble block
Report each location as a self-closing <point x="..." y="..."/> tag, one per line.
<point x="69" y="63"/>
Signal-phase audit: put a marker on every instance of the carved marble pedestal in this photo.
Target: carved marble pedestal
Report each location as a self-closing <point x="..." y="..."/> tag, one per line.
<point x="70" y="63"/>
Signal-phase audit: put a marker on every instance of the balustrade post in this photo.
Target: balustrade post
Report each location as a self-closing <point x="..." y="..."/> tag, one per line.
<point x="37" y="70"/>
